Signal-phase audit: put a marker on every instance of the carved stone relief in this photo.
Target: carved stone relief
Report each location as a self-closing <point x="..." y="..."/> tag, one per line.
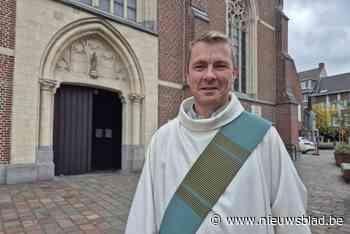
<point x="136" y="98"/>
<point x="238" y="9"/>
<point x="91" y="57"/>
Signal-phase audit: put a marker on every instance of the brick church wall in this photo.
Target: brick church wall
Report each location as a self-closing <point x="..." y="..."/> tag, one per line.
<point x="7" y="63"/>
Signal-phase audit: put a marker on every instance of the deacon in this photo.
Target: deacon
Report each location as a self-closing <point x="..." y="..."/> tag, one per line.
<point x="216" y="166"/>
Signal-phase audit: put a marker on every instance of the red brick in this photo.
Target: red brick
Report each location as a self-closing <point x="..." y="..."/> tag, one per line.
<point x="7" y="39"/>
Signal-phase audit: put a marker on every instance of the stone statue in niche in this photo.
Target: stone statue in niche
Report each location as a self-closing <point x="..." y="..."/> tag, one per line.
<point x="91" y="57"/>
<point x="93" y="66"/>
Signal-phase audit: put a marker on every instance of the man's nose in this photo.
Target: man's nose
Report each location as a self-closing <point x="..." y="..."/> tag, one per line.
<point x="209" y="75"/>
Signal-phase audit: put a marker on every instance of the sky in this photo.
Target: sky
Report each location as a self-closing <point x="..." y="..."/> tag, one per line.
<point x="319" y="31"/>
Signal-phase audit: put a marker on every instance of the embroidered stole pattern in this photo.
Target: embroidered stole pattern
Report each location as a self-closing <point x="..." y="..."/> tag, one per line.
<point x="213" y="171"/>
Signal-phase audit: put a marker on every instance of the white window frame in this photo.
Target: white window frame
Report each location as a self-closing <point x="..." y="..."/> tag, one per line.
<point x="310" y="84"/>
<point x="96" y="3"/>
<point x="305" y="98"/>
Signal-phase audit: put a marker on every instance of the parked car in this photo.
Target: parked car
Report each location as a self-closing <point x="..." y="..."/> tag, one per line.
<point x="305" y="145"/>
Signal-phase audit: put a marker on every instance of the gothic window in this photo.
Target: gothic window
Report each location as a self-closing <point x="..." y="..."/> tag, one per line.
<point x="237" y="31"/>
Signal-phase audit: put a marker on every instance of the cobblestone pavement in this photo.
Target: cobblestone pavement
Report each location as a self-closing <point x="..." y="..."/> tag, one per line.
<point x="94" y="203"/>
<point x="99" y="203"/>
<point x="328" y="194"/>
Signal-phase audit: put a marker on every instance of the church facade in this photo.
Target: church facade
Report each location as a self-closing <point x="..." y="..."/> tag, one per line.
<point x="80" y="75"/>
<point x="85" y="83"/>
<point x="267" y="84"/>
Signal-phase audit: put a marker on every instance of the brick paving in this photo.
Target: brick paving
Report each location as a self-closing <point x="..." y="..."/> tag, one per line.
<point x="99" y="203"/>
<point x="328" y="194"/>
<point x="94" y="203"/>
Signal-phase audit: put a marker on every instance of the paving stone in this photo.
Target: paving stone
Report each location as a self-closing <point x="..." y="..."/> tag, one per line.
<point x="65" y="223"/>
<point x="328" y="194"/>
<point x="86" y="227"/>
<point x="68" y="204"/>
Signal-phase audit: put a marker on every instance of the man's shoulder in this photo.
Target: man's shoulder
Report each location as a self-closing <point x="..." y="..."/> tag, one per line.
<point x="257" y="119"/>
<point x="166" y="129"/>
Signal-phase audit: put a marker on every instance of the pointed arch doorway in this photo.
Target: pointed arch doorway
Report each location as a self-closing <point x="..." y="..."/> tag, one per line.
<point x="90" y="52"/>
<point x="87" y="130"/>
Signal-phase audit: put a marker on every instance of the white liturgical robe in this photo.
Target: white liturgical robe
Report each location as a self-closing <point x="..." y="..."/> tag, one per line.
<point x="267" y="185"/>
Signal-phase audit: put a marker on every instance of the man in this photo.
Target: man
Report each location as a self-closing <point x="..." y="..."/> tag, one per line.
<point x="215" y="162"/>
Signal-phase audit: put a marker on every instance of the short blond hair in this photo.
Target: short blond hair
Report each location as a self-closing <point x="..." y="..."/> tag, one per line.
<point x="211" y="37"/>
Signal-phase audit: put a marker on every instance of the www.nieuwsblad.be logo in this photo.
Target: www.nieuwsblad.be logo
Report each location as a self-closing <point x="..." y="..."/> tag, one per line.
<point x="217" y="219"/>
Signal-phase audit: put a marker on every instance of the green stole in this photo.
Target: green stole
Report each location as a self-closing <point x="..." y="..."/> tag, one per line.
<point x="212" y="172"/>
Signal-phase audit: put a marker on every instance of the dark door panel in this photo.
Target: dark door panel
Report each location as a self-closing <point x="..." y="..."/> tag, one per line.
<point x="106" y="150"/>
<point x="72" y="130"/>
<point x="87" y="130"/>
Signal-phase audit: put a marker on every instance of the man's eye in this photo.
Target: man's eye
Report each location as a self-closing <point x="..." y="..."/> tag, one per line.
<point x="221" y="66"/>
<point x="199" y="67"/>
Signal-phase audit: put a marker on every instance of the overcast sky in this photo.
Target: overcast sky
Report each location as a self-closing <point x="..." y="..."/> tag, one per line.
<point x="319" y="31"/>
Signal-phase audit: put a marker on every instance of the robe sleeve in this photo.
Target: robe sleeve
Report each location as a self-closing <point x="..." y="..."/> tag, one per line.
<point x="289" y="195"/>
<point x="142" y="218"/>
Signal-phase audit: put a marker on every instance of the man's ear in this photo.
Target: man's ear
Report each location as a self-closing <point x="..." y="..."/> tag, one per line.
<point x="235" y="72"/>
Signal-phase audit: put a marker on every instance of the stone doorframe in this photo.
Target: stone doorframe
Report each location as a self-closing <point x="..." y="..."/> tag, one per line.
<point x="131" y="97"/>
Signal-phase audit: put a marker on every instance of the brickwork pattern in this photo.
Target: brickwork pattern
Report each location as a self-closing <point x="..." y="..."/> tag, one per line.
<point x="7" y="23"/>
<point x="267" y="11"/>
<point x="266" y="64"/>
<point x="199" y="27"/>
<point x="283" y="122"/>
<point x="7" y="40"/>
<point x="200" y="4"/>
<point x="217" y="21"/>
<point x="293" y="83"/>
<point x="267" y="111"/>
<point x="169" y="102"/>
<point x="6" y="74"/>
<point x="171" y="40"/>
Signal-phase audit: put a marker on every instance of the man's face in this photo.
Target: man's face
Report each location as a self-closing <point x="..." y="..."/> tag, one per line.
<point x="211" y="73"/>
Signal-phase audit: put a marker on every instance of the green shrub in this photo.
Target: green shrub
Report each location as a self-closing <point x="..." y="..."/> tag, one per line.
<point x="342" y="149"/>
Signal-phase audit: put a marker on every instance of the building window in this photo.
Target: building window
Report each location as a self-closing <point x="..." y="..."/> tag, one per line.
<point x="121" y="8"/>
<point x="303" y="85"/>
<point x="237" y="31"/>
<point x="131" y="10"/>
<point x="299" y="113"/>
<point x="310" y="84"/>
<point x="104" y="5"/>
<point x="87" y="2"/>
<point x="305" y="98"/>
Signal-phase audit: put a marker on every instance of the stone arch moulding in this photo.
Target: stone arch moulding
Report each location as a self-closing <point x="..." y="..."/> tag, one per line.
<point x="251" y="42"/>
<point x="92" y="26"/>
<point x="132" y="97"/>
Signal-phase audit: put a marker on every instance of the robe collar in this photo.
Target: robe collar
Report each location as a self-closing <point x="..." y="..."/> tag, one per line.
<point x="217" y="120"/>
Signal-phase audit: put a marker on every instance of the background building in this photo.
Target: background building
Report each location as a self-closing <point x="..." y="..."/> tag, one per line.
<point x="309" y="81"/>
<point x="85" y="83"/>
<point x="331" y="102"/>
<point x="78" y="86"/>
